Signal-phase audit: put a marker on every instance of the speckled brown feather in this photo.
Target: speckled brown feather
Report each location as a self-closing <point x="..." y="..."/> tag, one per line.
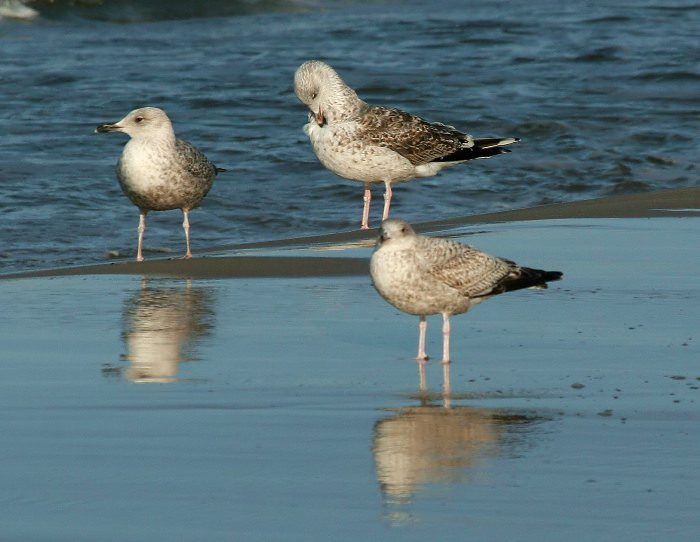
<point x="185" y="181"/>
<point x="474" y="273"/>
<point x="469" y="271"/>
<point x="195" y="162"/>
<point x="415" y="139"/>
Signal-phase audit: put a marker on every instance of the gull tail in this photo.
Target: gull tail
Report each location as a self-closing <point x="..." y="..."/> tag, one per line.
<point x="482" y="148"/>
<point x="525" y="277"/>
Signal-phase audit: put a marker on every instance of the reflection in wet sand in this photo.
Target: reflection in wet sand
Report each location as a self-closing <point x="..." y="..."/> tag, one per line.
<point x="436" y="444"/>
<point x="159" y="323"/>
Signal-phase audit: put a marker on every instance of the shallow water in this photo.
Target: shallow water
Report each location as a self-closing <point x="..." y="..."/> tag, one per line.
<point x="287" y="409"/>
<point x="603" y="96"/>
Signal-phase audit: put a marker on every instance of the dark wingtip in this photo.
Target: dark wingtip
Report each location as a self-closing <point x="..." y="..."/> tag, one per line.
<point x="547" y="276"/>
<point x="220" y="170"/>
<point x="527" y="278"/>
<point x="550" y="276"/>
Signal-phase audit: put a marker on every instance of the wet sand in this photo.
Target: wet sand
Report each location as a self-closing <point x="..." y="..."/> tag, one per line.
<point x="265" y="391"/>
<point x="667" y="203"/>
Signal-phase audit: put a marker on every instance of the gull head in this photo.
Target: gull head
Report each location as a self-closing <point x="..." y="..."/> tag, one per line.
<point x="321" y="89"/>
<point x="143" y="123"/>
<point x="394" y="230"/>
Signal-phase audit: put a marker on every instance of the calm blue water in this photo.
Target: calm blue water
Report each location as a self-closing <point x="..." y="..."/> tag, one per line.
<point x="605" y="98"/>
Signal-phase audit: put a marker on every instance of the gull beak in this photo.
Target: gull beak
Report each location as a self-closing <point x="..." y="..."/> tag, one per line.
<point x="108" y="128"/>
<point x="320" y="119"/>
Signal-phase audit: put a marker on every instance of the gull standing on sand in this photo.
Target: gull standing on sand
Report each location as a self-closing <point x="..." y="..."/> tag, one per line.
<point x="426" y="275"/>
<point x="375" y="144"/>
<point x="159" y="172"/>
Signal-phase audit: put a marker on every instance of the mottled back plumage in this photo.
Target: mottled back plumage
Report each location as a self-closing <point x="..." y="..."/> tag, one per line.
<point x="469" y="271"/>
<point x="417" y="140"/>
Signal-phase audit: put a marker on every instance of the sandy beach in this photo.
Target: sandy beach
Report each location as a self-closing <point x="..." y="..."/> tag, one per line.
<point x="264" y="391"/>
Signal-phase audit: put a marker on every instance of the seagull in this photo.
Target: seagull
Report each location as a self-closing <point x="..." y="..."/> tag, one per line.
<point x="159" y="172"/>
<point x="427" y="275"/>
<point x="375" y="144"/>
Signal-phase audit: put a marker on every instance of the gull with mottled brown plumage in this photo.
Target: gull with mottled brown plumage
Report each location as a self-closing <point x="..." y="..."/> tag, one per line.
<point x="427" y="275"/>
<point x="375" y="144"/>
<point x="157" y="171"/>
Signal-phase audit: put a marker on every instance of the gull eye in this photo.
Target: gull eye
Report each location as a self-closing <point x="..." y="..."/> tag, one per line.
<point x="313" y="96"/>
<point x="138" y="119"/>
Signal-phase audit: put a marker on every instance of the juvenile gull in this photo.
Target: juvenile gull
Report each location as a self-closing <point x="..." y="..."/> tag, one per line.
<point x="159" y="172"/>
<point x="426" y="275"/>
<point x="375" y="144"/>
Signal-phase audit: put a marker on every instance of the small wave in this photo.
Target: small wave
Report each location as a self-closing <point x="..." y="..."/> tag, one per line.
<point x="676" y="75"/>
<point x="678" y="8"/>
<point x="601" y="54"/>
<point x="134" y="11"/>
<point x="543" y="126"/>
<point x="609" y="19"/>
<point x="627" y="187"/>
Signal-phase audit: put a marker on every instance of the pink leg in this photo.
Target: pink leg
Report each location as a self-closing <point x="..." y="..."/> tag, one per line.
<point x="365" y="210"/>
<point x="142" y="228"/>
<point x="422" y="327"/>
<point x="445" y="338"/>
<point x="186" y="226"/>
<point x="387" y="200"/>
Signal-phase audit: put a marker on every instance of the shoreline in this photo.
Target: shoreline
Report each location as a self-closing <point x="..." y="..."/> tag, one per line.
<point x="682" y="202"/>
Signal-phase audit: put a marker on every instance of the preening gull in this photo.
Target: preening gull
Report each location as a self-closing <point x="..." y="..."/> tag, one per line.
<point x="159" y="172"/>
<point x="375" y="144"/>
<point x="427" y="275"/>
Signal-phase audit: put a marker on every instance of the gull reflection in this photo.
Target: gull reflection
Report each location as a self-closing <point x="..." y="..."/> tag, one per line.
<point x="446" y="386"/>
<point x="160" y="324"/>
<point x="431" y="444"/>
